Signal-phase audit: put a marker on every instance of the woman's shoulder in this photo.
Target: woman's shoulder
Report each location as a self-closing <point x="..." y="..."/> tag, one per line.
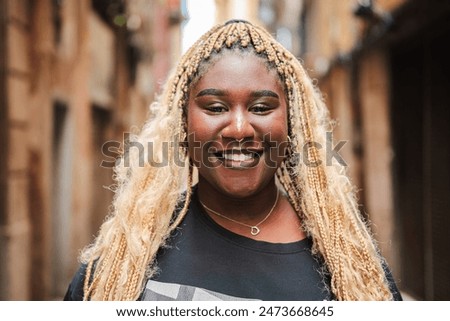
<point x="75" y="290"/>
<point x="397" y="296"/>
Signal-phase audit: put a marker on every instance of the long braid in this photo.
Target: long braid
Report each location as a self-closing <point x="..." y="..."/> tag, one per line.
<point x="286" y="182"/>
<point x="187" y="201"/>
<point x="112" y="277"/>
<point x="331" y="252"/>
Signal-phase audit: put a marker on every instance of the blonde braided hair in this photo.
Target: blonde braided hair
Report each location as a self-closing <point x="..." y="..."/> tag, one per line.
<point x="147" y="197"/>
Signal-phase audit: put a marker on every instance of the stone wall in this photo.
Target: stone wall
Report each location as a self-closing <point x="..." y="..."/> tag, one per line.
<point x="74" y="74"/>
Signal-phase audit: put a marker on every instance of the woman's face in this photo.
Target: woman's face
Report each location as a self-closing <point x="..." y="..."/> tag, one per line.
<point x="237" y="125"/>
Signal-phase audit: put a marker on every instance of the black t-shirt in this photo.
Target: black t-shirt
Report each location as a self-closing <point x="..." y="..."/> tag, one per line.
<point x="204" y="261"/>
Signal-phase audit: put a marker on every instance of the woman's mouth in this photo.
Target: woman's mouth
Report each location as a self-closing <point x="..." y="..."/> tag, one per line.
<point x="239" y="158"/>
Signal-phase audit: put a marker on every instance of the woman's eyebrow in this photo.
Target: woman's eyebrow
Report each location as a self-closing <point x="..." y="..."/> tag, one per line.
<point x="264" y="93"/>
<point x="219" y="92"/>
<point x="211" y="92"/>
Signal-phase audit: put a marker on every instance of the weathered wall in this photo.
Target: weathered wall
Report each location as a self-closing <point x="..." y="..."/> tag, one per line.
<point x="71" y="79"/>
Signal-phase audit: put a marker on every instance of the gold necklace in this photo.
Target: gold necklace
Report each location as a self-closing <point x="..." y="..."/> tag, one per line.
<point x="254" y="229"/>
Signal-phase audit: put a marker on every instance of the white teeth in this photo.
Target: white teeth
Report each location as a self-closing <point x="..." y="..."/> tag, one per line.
<point x="238" y="157"/>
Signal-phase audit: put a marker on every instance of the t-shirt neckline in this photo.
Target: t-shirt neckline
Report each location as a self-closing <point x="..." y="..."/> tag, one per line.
<point x="262" y="246"/>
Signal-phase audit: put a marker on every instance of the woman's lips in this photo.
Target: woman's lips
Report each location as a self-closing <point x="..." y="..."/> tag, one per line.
<point x="239" y="158"/>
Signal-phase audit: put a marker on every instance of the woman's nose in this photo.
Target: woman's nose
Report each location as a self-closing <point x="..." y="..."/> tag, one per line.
<point x="239" y="127"/>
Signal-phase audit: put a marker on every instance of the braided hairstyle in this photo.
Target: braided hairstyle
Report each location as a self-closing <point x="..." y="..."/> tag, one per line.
<point x="122" y="257"/>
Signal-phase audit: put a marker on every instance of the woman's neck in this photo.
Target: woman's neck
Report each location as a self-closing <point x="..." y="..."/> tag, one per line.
<point x="269" y="210"/>
<point x="249" y="208"/>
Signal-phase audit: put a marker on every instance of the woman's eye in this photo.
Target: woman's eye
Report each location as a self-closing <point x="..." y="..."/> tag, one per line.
<point x="216" y="109"/>
<point x="260" y="109"/>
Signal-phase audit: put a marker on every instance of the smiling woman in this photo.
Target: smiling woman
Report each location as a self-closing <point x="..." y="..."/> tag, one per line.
<point x="237" y="115"/>
<point x="260" y="224"/>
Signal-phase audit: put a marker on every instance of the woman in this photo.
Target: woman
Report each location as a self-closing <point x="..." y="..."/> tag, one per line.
<point x="266" y="221"/>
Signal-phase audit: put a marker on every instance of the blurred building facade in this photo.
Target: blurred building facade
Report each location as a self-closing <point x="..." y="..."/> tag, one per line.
<point x="73" y="75"/>
<point x="383" y="68"/>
